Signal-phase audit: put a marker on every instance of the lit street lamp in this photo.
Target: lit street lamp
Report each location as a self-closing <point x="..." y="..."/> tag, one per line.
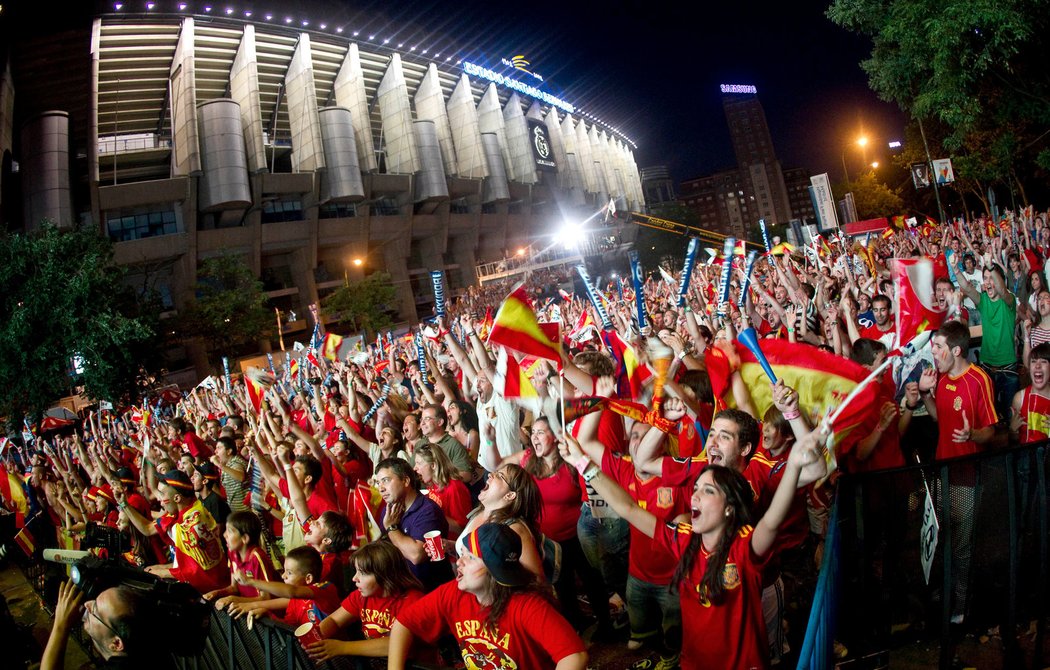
<point x="862" y="142"/>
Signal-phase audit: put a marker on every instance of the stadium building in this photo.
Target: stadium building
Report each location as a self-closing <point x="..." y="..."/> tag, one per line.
<point x="184" y="130"/>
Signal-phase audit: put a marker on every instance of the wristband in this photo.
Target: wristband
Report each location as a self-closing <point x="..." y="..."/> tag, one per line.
<point x="582" y="464"/>
<point x="591" y="474"/>
<point x="287" y="467"/>
<point x="682" y="354"/>
<point x="791" y="416"/>
<point x="791" y="330"/>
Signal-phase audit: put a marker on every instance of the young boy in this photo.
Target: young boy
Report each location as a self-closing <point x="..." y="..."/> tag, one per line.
<point x="246" y="557"/>
<point x="330" y="534"/>
<point x="302" y="595"/>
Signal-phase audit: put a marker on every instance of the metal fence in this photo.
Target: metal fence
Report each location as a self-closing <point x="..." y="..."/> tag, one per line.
<point x="985" y="601"/>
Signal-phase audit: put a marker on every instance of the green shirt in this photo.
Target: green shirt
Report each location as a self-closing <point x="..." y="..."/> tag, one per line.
<point x="453" y="449"/>
<point x="998" y="319"/>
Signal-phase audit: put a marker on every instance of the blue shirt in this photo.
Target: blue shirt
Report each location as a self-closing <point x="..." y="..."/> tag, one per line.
<point x="423" y="516"/>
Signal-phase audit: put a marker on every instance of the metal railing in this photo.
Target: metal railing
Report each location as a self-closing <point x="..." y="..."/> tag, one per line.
<point x="985" y="601"/>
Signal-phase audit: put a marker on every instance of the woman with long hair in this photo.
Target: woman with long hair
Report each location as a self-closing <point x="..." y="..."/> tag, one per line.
<point x="499" y="613"/>
<point x="561" y="494"/>
<point x="510" y="498"/>
<point x="385" y="587"/>
<point x="721" y="555"/>
<point x="439" y="478"/>
<point x="463" y="425"/>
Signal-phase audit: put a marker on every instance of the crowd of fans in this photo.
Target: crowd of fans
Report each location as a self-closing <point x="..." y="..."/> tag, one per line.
<point x="411" y="507"/>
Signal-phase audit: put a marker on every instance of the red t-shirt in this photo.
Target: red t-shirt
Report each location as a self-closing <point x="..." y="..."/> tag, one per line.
<point x="324" y="601"/>
<point x="561" y="494"/>
<point x="454" y="500"/>
<point x="200" y="559"/>
<point x="195" y="445"/>
<point x="734" y="630"/>
<point x="969" y="394"/>
<point x="689" y="442"/>
<point x="332" y="568"/>
<point x="531" y="633"/>
<point x="647" y="561"/>
<point x="873" y="332"/>
<point x="317" y="503"/>
<point x="377" y="613"/>
<point x="256" y="565"/>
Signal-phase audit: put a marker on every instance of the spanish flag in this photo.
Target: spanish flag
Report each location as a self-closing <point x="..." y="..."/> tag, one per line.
<point x="784" y="248"/>
<point x="486" y="324"/>
<point x="25" y="540"/>
<point x="515" y="326"/>
<point x="899" y="222"/>
<point x="888" y="233"/>
<point x="257" y="382"/>
<point x="13" y="495"/>
<point x="511" y="381"/>
<point x="332" y="346"/>
<point x="822" y="380"/>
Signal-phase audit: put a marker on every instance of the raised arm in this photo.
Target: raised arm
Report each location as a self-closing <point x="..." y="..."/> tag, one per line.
<point x="613" y="494"/>
<point x="804" y="454"/>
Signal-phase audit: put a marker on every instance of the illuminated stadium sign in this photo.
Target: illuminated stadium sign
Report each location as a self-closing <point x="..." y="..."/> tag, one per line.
<point x="739" y="88"/>
<point x="520" y="63"/>
<point x="499" y="79"/>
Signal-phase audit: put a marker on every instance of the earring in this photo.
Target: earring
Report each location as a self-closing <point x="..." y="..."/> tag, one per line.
<point x="727" y="514"/>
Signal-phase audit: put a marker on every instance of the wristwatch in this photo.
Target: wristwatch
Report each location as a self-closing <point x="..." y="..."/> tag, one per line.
<point x="391" y="529"/>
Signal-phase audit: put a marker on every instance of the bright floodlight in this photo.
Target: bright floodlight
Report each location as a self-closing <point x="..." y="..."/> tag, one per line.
<point x="570" y="235"/>
<point x="862" y="141"/>
<point x="874" y="164"/>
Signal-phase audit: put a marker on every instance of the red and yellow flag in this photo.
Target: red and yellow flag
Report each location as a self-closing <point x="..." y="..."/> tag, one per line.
<point x="13" y="495"/>
<point x="516" y="327"/>
<point x="330" y="349"/>
<point x="511" y="381"/>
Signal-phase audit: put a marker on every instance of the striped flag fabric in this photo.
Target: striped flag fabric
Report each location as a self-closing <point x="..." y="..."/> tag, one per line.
<point x="336" y="348"/>
<point x="26" y="542"/>
<point x="511" y="381"/>
<point x="515" y="326"/>
<point x="916" y="311"/>
<point x="257" y="382"/>
<point x="586" y="327"/>
<point x="13" y="495"/>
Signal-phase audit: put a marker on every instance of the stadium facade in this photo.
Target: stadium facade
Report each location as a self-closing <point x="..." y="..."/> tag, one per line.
<point x="186" y="130"/>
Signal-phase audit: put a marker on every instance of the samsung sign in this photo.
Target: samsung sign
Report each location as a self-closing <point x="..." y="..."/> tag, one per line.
<point x="541" y="145"/>
<point x="739" y="88"/>
<point x="475" y="70"/>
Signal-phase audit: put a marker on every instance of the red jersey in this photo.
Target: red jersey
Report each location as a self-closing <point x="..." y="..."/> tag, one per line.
<point x="647" y="561"/>
<point x="317" y="502"/>
<point x="377" y="613"/>
<point x="969" y="394"/>
<point x="199" y="556"/>
<point x="256" y="565"/>
<point x="685" y="471"/>
<point x="1035" y="410"/>
<point x="454" y="500"/>
<point x="561" y="494"/>
<point x="531" y="633"/>
<point x="734" y="630"/>
<point x="887" y="453"/>
<point x="195" y="445"/>
<point x="689" y="441"/>
<point x="323" y="601"/>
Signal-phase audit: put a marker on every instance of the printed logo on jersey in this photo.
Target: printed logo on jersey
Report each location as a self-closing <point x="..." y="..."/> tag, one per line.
<point x="483" y="648"/>
<point x="957" y="404"/>
<point x="664" y="496"/>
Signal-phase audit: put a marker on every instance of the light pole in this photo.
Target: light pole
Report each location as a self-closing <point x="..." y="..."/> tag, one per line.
<point x="862" y="142"/>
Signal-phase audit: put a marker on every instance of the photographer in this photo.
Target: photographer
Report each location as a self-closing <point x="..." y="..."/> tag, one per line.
<point x="114" y="621"/>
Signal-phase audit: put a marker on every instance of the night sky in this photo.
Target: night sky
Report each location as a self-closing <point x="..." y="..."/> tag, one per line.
<point x="650" y="68"/>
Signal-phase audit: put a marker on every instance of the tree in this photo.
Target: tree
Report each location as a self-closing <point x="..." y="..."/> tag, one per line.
<point x="61" y="308"/>
<point x="230" y="307"/>
<point x="872" y="198"/>
<point x="364" y="304"/>
<point x="977" y="68"/>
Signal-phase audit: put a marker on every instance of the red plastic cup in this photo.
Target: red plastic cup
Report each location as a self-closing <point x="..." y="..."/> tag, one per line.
<point x="308" y="633"/>
<point x="433" y="540"/>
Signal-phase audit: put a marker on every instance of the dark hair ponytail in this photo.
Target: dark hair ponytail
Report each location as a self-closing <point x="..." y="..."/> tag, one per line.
<point x="739" y="501"/>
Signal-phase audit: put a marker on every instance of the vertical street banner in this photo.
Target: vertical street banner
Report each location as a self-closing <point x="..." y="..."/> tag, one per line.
<point x="942" y="171"/>
<point x="823" y="201"/>
<point x="540" y="141"/>
<point x="920" y="175"/>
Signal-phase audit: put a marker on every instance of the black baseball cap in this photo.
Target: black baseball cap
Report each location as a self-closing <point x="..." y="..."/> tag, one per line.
<point x="499" y="548"/>
<point x="177" y="480"/>
<point x="208" y="471"/>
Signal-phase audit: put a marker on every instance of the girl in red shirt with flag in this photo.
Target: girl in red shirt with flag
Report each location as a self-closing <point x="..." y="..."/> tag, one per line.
<point x="719" y="576"/>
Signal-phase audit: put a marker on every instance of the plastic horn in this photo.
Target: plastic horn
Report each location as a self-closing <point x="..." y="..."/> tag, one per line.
<point x="752" y="256"/>
<point x="687" y="269"/>
<point x="661" y="356"/>
<point x="269" y="359"/>
<point x="639" y="294"/>
<point x="749" y="338"/>
<point x="765" y="234"/>
<point x="727" y="268"/>
<point x="226" y="372"/>
<point x="593" y="295"/>
<point x="375" y="408"/>
<point x="438" y="278"/>
<point x="421" y="357"/>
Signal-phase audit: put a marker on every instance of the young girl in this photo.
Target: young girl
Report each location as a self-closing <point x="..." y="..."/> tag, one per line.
<point x="438" y="475"/>
<point x="246" y="556"/>
<point x="385" y="587"/>
<point x="500" y="615"/>
<point x="719" y="577"/>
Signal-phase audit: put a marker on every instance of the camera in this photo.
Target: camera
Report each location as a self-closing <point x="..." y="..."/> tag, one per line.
<point x="176" y="607"/>
<point x="314" y="381"/>
<point x="103" y="537"/>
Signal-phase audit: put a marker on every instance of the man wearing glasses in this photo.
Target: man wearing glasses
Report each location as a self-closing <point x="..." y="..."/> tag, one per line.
<point x="111" y="621"/>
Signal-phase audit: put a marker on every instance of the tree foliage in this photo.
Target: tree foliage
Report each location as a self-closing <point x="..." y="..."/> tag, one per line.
<point x="230" y="307"/>
<point x="872" y="198"/>
<point x="64" y="299"/>
<point x="364" y="304"/>
<point x="977" y="67"/>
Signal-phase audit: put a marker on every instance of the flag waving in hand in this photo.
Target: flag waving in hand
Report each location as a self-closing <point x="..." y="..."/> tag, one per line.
<point x="517" y="327"/>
